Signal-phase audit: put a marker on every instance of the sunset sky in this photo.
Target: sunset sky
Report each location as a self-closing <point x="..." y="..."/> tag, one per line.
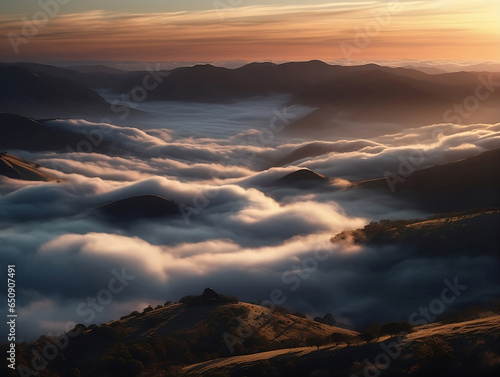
<point x="252" y="30"/>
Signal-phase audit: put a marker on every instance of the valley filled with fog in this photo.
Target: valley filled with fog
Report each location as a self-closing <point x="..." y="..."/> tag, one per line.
<point x="245" y="226"/>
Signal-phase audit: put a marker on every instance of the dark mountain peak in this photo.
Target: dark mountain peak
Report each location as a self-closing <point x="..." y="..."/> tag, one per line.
<point x="371" y="66"/>
<point x="204" y="68"/>
<point x="303" y="178"/>
<point x="257" y="68"/>
<point x="138" y="207"/>
<point x="308" y="63"/>
<point x="33" y="92"/>
<point x="257" y="64"/>
<point x="305" y="175"/>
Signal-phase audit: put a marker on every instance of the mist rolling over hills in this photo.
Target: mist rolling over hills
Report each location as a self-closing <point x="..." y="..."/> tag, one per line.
<point x="247" y="189"/>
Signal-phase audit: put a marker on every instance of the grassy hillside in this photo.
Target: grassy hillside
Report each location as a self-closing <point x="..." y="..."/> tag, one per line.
<point x="197" y="329"/>
<point x="472" y="232"/>
<point x="469" y="348"/>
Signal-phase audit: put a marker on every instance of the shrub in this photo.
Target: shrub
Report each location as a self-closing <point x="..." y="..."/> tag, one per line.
<point x="338" y="338"/>
<point x="434" y="350"/>
<point x="367" y="336"/>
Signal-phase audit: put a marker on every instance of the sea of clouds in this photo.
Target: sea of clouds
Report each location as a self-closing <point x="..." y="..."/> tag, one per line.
<point x="239" y="234"/>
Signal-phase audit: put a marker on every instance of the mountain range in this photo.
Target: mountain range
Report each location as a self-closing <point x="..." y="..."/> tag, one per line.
<point x="390" y="98"/>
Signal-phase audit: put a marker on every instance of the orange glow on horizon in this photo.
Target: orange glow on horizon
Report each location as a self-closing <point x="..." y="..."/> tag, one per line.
<point x="367" y="30"/>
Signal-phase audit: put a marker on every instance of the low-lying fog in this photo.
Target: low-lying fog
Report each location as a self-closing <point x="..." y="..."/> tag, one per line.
<point x="240" y="234"/>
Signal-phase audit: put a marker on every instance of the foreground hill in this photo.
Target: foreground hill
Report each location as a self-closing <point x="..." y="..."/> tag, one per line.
<point x="196" y="329"/>
<point x="439" y="349"/>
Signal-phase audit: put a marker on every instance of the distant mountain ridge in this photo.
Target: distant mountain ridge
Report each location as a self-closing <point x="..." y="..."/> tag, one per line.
<point x="470" y="183"/>
<point x="390" y="98"/>
<point x="42" y="91"/>
<point x="370" y="94"/>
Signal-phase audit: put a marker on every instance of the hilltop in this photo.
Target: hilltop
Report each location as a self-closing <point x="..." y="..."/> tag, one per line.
<point x="195" y="329"/>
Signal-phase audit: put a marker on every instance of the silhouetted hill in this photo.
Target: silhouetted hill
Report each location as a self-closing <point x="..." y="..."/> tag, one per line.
<point x="18" y="132"/>
<point x="207" y="83"/>
<point x="381" y="98"/>
<point x="201" y="83"/>
<point x="468" y="233"/>
<point x="138" y="207"/>
<point x="18" y="168"/>
<point x="29" y="90"/>
<point x="303" y="178"/>
<point x="438" y="349"/>
<point x="91" y="77"/>
<point x="177" y="334"/>
<point x="470" y="183"/>
<point x="35" y="93"/>
<point x="385" y="100"/>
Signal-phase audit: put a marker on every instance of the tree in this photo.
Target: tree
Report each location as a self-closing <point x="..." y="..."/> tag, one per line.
<point x="367" y="336"/>
<point x="395" y="328"/>
<point x="339" y="338"/>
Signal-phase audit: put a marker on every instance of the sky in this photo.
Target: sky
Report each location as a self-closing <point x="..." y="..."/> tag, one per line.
<point x="249" y="30"/>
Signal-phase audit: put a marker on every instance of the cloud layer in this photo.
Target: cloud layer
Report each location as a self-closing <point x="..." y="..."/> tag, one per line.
<point x="239" y="234"/>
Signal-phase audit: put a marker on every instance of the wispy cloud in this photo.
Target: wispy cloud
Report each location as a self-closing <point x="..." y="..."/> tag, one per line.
<point x="420" y="29"/>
